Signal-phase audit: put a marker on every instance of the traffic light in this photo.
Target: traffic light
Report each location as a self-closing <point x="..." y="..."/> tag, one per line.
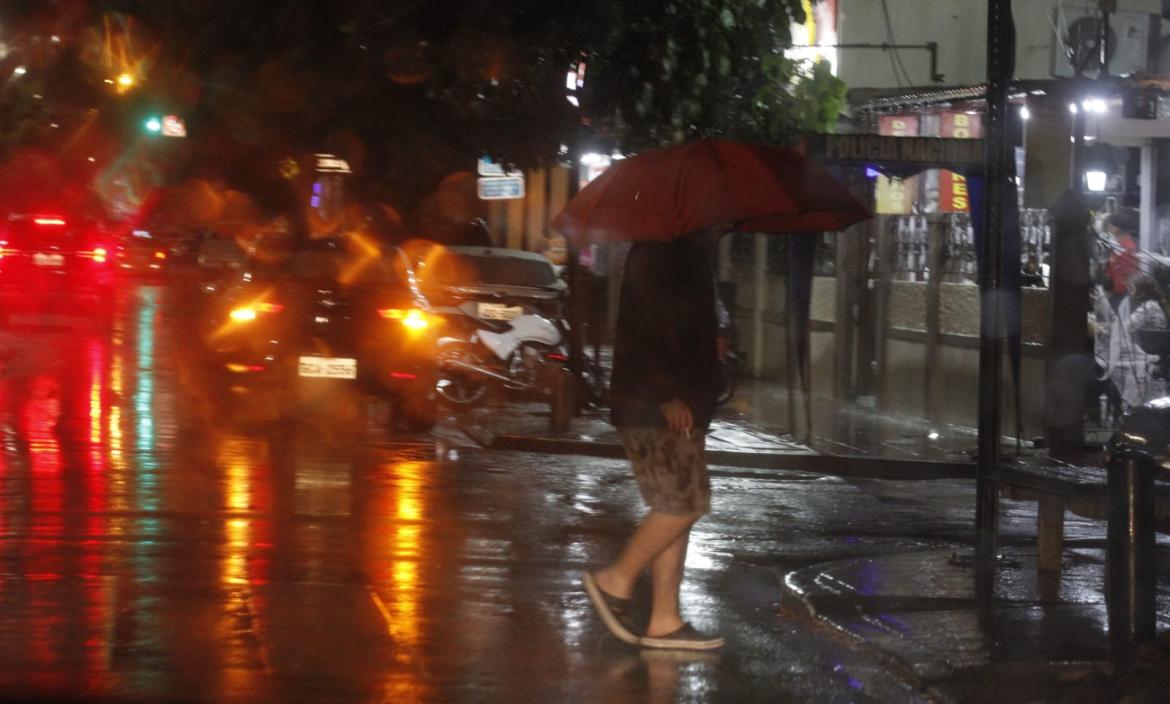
<point x="166" y="125"/>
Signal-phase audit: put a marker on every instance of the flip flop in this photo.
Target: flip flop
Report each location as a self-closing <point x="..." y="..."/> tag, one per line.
<point x="685" y="638"/>
<point x="616" y="613"/>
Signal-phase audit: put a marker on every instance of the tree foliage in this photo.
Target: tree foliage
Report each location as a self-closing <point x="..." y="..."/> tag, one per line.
<point x="415" y="90"/>
<point x="683" y="69"/>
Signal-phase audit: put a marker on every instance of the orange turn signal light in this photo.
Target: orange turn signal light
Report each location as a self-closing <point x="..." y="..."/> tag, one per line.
<point x="412" y="318"/>
<point x="247" y="313"/>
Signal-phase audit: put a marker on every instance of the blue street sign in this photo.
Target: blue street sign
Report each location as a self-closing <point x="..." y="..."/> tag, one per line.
<point x="501" y="188"/>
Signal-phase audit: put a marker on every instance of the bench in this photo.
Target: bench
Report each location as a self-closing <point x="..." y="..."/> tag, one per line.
<point x="1054" y="488"/>
<point x="1057" y="488"/>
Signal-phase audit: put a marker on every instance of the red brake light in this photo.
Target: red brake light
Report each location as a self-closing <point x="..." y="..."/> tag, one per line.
<point x="48" y="221"/>
<point x="269" y="307"/>
<point x="557" y="357"/>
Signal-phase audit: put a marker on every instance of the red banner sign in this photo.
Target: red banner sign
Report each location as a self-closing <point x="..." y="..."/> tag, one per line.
<point x="960" y="125"/>
<point x="898" y="125"/>
<point x="952" y="193"/>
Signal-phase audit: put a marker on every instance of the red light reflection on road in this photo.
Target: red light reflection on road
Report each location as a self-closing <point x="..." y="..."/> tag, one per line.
<point x="59" y="599"/>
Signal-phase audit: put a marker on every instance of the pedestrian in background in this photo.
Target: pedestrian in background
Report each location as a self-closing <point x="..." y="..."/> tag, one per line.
<point x="662" y="397"/>
<point x="1130" y="367"/>
<point x="1122" y="226"/>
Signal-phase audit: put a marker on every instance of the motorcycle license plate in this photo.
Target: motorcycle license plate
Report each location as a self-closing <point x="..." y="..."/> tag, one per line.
<point x="498" y="311"/>
<point x="327" y="367"/>
<point x="49" y="260"/>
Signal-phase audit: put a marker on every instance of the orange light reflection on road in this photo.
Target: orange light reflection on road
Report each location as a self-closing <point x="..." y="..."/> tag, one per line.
<point x="402" y="608"/>
<point x="245" y="491"/>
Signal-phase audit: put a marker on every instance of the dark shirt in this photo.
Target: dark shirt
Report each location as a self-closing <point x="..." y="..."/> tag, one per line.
<point x="665" y="347"/>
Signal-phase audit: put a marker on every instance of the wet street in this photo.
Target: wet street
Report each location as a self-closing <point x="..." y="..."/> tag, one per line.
<point x="157" y="547"/>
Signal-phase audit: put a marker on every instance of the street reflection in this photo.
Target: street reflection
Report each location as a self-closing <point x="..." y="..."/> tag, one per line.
<point x="143" y="555"/>
<point x="397" y="588"/>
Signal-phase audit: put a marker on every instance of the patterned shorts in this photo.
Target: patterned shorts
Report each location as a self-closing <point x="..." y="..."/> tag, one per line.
<point x="670" y="469"/>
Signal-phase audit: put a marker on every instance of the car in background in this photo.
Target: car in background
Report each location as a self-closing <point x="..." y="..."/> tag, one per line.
<point x="492" y="283"/>
<point x="199" y="265"/>
<point x="329" y="314"/>
<point x="142" y="256"/>
<point x="55" y="270"/>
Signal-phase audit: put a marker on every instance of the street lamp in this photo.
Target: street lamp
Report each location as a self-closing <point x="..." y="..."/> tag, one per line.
<point x="153" y="124"/>
<point x="1098" y="166"/>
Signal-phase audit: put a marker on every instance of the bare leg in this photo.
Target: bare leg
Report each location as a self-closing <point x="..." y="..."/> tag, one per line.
<point x="658" y="532"/>
<point x="666" y="572"/>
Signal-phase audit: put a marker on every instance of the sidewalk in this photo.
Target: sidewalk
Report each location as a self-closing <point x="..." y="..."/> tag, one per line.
<point x="1039" y="638"/>
<point x="753" y="431"/>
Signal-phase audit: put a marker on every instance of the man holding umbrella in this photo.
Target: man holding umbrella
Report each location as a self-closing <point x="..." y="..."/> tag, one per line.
<point x="662" y="395"/>
<point x="674" y="203"/>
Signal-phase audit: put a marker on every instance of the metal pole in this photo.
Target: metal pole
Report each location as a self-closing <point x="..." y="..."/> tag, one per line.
<point x="1129" y="577"/>
<point x="1076" y="163"/>
<point x="1000" y="59"/>
<point x="577" y="293"/>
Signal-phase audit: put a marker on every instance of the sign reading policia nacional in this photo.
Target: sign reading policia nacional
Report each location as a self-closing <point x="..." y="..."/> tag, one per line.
<point x="899" y="152"/>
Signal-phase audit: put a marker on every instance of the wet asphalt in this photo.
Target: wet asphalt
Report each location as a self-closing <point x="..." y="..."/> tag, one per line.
<point x="162" y="542"/>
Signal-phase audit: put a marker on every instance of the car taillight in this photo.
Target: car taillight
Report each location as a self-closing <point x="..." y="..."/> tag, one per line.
<point x="556" y="357"/>
<point x="251" y="312"/>
<point x="412" y="318"/>
<point x="160" y="255"/>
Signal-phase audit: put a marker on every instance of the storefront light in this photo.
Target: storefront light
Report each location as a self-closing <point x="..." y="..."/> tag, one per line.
<point x="1025" y="114"/>
<point x="1095" y="105"/>
<point x="1099" y="165"/>
<point x="1095" y="181"/>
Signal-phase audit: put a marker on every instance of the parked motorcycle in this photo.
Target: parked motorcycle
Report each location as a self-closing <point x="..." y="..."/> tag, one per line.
<point x="524" y="355"/>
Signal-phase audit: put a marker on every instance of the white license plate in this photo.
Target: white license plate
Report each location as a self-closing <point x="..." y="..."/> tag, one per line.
<point x="327" y="367"/>
<point x="499" y="311"/>
<point x="49" y="260"/>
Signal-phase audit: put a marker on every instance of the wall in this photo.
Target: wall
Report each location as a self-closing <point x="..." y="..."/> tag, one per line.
<point x="524" y="223"/>
<point x="959" y="27"/>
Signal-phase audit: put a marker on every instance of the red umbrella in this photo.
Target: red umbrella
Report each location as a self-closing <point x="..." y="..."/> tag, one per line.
<point x="665" y="193"/>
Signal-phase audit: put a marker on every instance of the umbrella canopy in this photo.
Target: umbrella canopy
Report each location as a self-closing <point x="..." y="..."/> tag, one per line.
<point x="665" y="193"/>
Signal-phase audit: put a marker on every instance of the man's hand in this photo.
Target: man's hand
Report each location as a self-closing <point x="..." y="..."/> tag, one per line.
<point x="678" y="415"/>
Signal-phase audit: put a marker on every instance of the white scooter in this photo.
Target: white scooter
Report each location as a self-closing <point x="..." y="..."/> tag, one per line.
<point x="524" y="355"/>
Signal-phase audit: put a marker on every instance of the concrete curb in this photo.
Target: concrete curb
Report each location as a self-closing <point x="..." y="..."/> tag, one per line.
<point x="836" y="465"/>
